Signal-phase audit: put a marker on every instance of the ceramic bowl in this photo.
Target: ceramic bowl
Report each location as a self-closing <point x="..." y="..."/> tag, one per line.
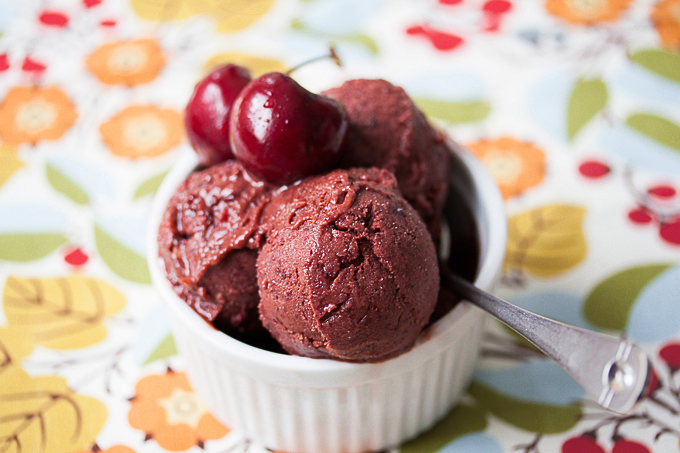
<point x="300" y="404"/>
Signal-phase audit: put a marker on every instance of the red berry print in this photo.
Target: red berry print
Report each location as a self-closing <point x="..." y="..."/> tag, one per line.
<point x="91" y="3"/>
<point x="31" y="65"/>
<point x="53" y="19"/>
<point x="108" y="23"/>
<point x="439" y="39"/>
<point x="594" y="169"/>
<point x="450" y="2"/>
<point x="662" y="191"/>
<point x="639" y="216"/>
<point x="671" y="355"/>
<point x="629" y="446"/>
<point x="493" y="14"/>
<point x="670" y="232"/>
<point x="582" y="444"/>
<point x="652" y="384"/>
<point x="4" y="62"/>
<point x="497" y="6"/>
<point x="76" y="257"/>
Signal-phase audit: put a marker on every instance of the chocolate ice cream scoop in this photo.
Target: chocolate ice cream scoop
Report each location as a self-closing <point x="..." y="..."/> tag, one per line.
<point x="208" y="240"/>
<point x="387" y="130"/>
<point x="349" y="270"/>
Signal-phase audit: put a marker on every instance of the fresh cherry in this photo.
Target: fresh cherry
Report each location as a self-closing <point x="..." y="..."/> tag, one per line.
<point x="207" y="114"/>
<point x="280" y="132"/>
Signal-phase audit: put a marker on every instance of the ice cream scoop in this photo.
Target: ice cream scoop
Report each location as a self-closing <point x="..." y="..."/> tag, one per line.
<point x="208" y="241"/>
<point x="387" y="130"/>
<point x="349" y="270"/>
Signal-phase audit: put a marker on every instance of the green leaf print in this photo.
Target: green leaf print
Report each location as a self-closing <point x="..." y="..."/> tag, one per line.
<point x="65" y="186"/>
<point x="463" y="419"/>
<point x="660" y="62"/>
<point x="657" y="128"/>
<point x="165" y="349"/>
<point x="609" y="304"/>
<point x="588" y="97"/>
<point x="122" y="261"/>
<point x="150" y="186"/>
<point x="22" y="247"/>
<point x="454" y="112"/>
<point x="533" y="417"/>
<point x="360" y="38"/>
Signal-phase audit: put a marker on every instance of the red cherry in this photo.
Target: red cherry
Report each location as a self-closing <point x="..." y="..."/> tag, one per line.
<point x="280" y="132"/>
<point x="593" y="169"/>
<point x="639" y="216"/>
<point x="450" y="2"/>
<point x="53" y="19"/>
<point x="108" y="23"/>
<point x="207" y="114"/>
<point x="670" y="232"/>
<point x="582" y="444"/>
<point x="4" y="62"/>
<point x="497" y="6"/>
<point x="31" y="65"/>
<point x="662" y="191"/>
<point x="76" y="257"/>
<point x="670" y="354"/>
<point x="629" y="446"/>
<point x="91" y="3"/>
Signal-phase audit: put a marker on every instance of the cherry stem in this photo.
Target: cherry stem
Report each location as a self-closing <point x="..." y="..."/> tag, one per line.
<point x="331" y="54"/>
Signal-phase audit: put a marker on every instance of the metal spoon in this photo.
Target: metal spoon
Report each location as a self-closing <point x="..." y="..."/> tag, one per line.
<point x="615" y="372"/>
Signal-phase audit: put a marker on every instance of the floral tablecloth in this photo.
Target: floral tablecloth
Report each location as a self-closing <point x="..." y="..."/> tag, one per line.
<point x="573" y="105"/>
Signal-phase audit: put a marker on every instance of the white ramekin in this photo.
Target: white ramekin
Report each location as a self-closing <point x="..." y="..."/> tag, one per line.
<point x="301" y="405"/>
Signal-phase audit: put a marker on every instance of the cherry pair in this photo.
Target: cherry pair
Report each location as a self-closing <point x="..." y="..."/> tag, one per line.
<point x="279" y="131"/>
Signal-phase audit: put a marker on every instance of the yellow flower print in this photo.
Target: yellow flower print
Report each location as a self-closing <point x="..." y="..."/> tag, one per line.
<point x="127" y="62"/>
<point x="666" y="19"/>
<point x="143" y="131"/>
<point x="167" y="410"/>
<point x="230" y="15"/>
<point x="515" y="165"/>
<point x="587" y="12"/>
<point x="31" y="114"/>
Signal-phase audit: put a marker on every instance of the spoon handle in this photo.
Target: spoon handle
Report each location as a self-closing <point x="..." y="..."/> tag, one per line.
<point x="614" y="371"/>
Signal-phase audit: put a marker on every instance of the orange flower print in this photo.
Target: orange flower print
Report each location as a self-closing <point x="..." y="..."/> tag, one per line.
<point x="143" y="131"/>
<point x="666" y="19"/>
<point x="31" y="114"/>
<point x="168" y="411"/>
<point x="587" y="12"/>
<point x="515" y="165"/>
<point x="127" y="62"/>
